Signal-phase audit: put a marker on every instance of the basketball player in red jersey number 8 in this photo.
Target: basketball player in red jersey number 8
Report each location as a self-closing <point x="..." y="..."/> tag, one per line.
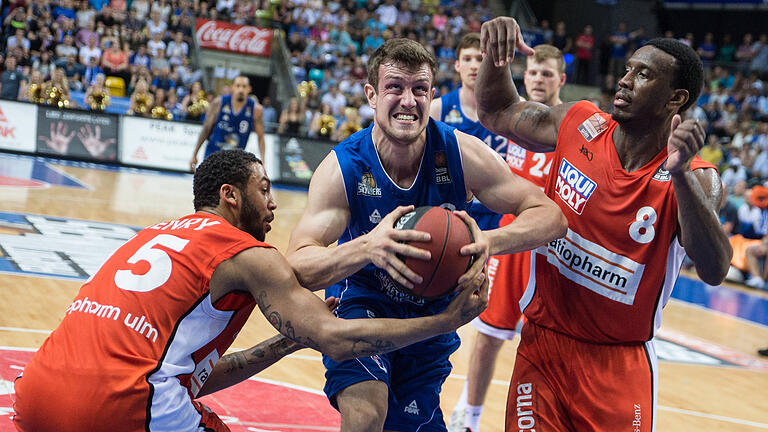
<point x="637" y="199"/>
<point x="147" y="334"/>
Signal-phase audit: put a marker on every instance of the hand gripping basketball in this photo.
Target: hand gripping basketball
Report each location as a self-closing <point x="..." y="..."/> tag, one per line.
<point x="385" y="243"/>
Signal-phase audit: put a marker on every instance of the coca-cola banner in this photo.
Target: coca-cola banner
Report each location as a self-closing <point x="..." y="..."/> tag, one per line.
<point x="224" y="36"/>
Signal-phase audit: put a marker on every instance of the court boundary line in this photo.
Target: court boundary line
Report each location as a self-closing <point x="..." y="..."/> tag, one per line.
<point x="721" y="313"/>
<point x="463" y="377"/>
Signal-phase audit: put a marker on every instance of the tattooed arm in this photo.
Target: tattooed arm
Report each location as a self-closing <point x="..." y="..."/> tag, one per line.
<point x="501" y="110"/>
<point x="301" y="316"/>
<point x="239" y="366"/>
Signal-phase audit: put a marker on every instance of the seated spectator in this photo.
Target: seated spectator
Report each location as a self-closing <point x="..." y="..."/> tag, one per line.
<point x="17" y="19"/>
<point x="156" y="25"/>
<point x="292" y="118"/>
<point x="91" y="71"/>
<point x="64" y="10"/>
<point x="707" y="49"/>
<point x="712" y="152"/>
<point x="727" y="50"/>
<point x="10" y="80"/>
<point x="335" y="100"/>
<point x="142" y="100"/>
<point x="156" y="44"/>
<point x="18" y="39"/>
<point x="44" y="65"/>
<point x="115" y="62"/>
<point x="186" y="74"/>
<point x="177" y="49"/>
<point x="90" y="51"/>
<point x="733" y="174"/>
<point x="162" y="80"/>
<point x="140" y="58"/>
<point x="65" y="49"/>
<point x="744" y="52"/>
<point x="73" y="72"/>
<point x="85" y="34"/>
<point x="141" y="7"/>
<point x="173" y="106"/>
<point x="159" y="62"/>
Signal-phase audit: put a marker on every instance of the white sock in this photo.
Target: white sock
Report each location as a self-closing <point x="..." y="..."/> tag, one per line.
<point x="462" y="402"/>
<point x="472" y="417"/>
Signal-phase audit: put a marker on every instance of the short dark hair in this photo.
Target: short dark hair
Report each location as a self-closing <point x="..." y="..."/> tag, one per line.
<point x="469" y="40"/>
<point x="689" y="74"/>
<point x="406" y="52"/>
<point x="232" y="167"/>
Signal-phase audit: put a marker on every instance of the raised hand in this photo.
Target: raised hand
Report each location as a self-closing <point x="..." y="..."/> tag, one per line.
<point x="385" y="243"/>
<point x="499" y="37"/>
<point x="91" y="139"/>
<point x="59" y="140"/>
<point x="685" y="140"/>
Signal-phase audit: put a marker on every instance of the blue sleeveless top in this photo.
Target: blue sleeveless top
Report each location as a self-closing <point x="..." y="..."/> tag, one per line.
<point x="231" y="129"/>
<point x="452" y="114"/>
<point x="371" y="195"/>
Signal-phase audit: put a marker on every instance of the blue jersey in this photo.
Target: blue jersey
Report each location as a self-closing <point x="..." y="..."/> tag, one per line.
<point x="452" y="114"/>
<point x="231" y="129"/>
<point x="371" y="195"/>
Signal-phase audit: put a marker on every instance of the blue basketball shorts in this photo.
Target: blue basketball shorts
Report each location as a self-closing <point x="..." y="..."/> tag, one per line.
<point x="486" y="218"/>
<point x="414" y="374"/>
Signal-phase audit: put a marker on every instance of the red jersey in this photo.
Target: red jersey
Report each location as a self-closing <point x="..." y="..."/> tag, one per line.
<point x="531" y="166"/>
<point x="142" y="335"/>
<point x="607" y="280"/>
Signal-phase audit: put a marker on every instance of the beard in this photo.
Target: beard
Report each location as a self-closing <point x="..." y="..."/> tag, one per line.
<point x="251" y="220"/>
<point x="240" y="97"/>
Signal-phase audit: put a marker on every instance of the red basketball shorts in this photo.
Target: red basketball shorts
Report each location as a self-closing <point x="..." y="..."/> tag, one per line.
<point x="561" y="384"/>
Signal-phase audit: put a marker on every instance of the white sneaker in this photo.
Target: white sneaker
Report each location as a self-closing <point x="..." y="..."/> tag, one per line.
<point x="756" y="282"/>
<point x="456" y="421"/>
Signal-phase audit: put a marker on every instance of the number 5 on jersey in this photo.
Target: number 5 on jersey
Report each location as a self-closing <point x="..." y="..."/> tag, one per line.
<point x="160" y="264"/>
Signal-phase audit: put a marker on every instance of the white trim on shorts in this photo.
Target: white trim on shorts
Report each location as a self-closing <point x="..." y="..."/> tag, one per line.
<point x="496" y="332"/>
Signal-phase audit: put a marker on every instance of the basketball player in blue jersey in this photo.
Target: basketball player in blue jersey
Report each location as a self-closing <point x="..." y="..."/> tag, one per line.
<point x="459" y="109"/>
<point x="404" y="159"/>
<point x="229" y="121"/>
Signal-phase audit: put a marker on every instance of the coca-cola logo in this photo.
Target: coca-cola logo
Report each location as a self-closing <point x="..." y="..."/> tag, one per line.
<point x="228" y="37"/>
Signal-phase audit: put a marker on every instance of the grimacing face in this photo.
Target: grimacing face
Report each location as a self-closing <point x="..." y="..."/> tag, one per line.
<point x="401" y="103"/>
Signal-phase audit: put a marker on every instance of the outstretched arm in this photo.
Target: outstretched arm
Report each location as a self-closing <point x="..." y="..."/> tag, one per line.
<point x="238" y="366"/>
<point x="301" y="316"/>
<point x="499" y="107"/>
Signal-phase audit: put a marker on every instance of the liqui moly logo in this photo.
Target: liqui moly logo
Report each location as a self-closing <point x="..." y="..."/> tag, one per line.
<point x="573" y="187"/>
<point x="224" y="36"/>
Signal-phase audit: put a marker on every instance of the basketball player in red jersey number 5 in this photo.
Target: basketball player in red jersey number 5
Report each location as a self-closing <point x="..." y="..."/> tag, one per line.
<point x="637" y="199"/>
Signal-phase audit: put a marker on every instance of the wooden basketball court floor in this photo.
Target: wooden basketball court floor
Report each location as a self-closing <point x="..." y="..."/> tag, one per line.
<point x="710" y="377"/>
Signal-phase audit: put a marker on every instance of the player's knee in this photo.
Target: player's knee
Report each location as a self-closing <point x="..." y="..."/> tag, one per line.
<point x="363" y="416"/>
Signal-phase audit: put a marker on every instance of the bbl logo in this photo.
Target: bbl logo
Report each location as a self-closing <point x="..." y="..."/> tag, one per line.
<point x="442" y="176"/>
<point x="367" y="185"/>
<point x="573" y="187"/>
<point x="453" y="116"/>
